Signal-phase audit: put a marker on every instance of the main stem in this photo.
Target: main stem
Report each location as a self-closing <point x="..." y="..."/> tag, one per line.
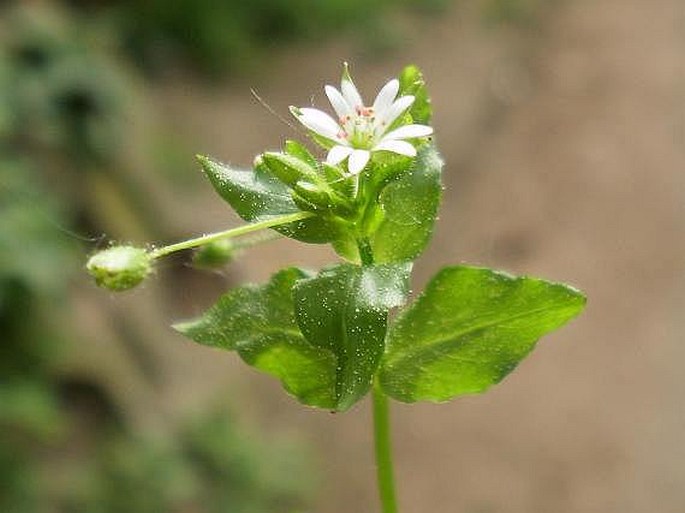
<point x="384" y="469"/>
<point x="381" y="420"/>
<point x="228" y="234"/>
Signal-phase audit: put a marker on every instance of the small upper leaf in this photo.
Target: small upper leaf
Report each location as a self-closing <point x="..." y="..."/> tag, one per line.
<point x="344" y="311"/>
<point x="259" y="323"/>
<point x="408" y="208"/>
<point x="468" y="330"/>
<point x="256" y="196"/>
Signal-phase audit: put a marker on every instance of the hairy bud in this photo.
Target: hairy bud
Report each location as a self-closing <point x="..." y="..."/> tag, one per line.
<point x="120" y="267"/>
<point x="215" y="254"/>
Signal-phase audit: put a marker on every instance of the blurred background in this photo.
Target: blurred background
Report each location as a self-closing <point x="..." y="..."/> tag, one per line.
<point x="562" y="123"/>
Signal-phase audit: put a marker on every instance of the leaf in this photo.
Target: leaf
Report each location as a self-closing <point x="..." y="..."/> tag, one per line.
<point x="412" y="82"/>
<point x="259" y="323"/>
<point x="468" y="330"/>
<point x="344" y="311"/>
<point x="256" y="196"/>
<point x="409" y="207"/>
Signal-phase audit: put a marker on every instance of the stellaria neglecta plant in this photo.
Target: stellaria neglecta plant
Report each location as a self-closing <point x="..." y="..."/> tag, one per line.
<point x="327" y="335"/>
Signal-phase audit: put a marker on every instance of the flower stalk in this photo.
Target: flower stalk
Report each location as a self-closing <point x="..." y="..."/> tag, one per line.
<point x="124" y="267"/>
<point x="227" y="234"/>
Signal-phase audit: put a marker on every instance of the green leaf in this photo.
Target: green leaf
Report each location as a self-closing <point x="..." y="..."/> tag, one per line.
<point x="344" y="310"/>
<point x="468" y="330"/>
<point x="259" y="323"/>
<point x="412" y="82"/>
<point x="256" y="196"/>
<point x="409" y="206"/>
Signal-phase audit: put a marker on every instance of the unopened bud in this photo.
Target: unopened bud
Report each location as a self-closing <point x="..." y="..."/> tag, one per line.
<point x="215" y="254"/>
<point x="120" y="267"/>
<point x="288" y="168"/>
<point x="313" y="194"/>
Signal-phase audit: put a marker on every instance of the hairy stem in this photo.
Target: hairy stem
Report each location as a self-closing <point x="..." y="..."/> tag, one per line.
<point x="365" y="251"/>
<point x="227" y="234"/>
<point x="384" y="469"/>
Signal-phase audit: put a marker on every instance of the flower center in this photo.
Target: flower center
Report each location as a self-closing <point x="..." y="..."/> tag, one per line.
<point x="359" y="129"/>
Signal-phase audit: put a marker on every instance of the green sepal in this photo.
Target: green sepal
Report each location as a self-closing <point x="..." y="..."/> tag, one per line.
<point x="468" y="330"/>
<point x="299" y="150"/>
<point x="344" y="310"/>
<point x="256" y="196"/>
<point x="413" y="83"/>
<point x="259" y="323"/>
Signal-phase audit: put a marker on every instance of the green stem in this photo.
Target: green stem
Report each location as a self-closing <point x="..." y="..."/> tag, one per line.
<point x="365" y="251"/>
<point x="227" y="234"/>
<point x="384" y="469"/>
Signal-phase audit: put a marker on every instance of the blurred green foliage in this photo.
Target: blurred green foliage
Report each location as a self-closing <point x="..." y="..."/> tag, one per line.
<point x="64" y="101"/>
<point x="523" y="12"/>
<point x="237" y="35"/>
<point x="210" y="464"/>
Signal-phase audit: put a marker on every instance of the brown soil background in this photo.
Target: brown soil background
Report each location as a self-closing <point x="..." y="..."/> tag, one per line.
<point x="565" y="159"/>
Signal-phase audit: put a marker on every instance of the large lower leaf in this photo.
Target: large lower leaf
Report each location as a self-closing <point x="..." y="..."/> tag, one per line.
<point x="259" y="323"/>
<point x="468" y="330"/>
<point x="344" y="311"/>
<point x="409" y="206"/>
<point x="255" y="196"/>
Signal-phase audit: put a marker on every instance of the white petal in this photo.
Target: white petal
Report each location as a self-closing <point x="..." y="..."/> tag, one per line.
<point x="358" y="161"/>
<point x="409" y="132"/>
<point x="385" y="97"/>
<point x="342" y="108"/>
<point x="351" y="94"/>
<point x="319" y="122"/>
<point x="397" y="108"/>
<point x="337" y="154"/>
<point x="401" y="147"/>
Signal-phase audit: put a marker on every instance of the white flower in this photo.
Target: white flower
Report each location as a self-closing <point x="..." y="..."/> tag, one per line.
<point x="360" y="129"/>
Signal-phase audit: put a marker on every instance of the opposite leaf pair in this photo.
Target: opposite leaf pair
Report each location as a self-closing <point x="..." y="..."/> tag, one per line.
<point x="327" y="338"/>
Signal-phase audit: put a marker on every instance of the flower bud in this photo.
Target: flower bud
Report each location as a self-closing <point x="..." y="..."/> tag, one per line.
<point x="120" y="267"/>
<point x="313" y="194"/>
<point x="316" y="198"/>
<point x="215" y="254"/>
<point x="289" y="169"/>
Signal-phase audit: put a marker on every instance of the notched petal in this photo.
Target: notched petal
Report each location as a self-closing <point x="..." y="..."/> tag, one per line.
<point x="337" y="154"/>
<point x="409" y="132"/>
<point x="397" y="108"/>
<point x="357" y="161"/>
<point x="351" y="95"/>
<point x="401" y="147"/>
<point x="319" y="122"/>
<point x="340" y="105"/>
<point x="385" y="97"/>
